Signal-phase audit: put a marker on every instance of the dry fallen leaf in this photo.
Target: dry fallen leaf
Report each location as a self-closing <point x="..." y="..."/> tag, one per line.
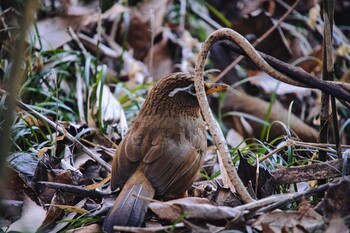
<point x="86" y="229"/>
<point x="240" y="102"/>
<point x="225" y="179"/>
<point x="277" y="221"/>
<point x="270" y="85"/>
<point x="53" y="31"/>
<point x="234" y="139"/>
<point x="66" y="219"/>
<point x="336" y="205"/>
<point x="75" y="209"/>
<point x="32" y="217"/>
<point x="194" y="208"/>
<point x="112" y="111"/>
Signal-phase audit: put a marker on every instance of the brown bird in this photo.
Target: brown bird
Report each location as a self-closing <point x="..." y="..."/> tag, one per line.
<point x="163" y="151"/>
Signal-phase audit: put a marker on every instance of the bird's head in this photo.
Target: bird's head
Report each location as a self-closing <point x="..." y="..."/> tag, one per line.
<point x="176" y="95"/>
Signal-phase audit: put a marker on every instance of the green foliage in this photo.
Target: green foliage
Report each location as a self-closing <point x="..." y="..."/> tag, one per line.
<point x="79" y="222"/>
<point x="178" y="220"/>
<point x="220" y="16"/>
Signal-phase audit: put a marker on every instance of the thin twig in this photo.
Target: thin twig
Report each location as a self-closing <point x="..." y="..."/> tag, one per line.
<point x="297" y="196"/>
<point x="148" y="229"/>
<point x="77" y="40"/>
<point x="54" y="77"/>
<point x="207" y="114"/>
<point x="73" y="189"/>
<point x="309" y="145"/>
<point x="313" y="144"/>
<point x="284" y="145"/>
<point x="327" y="74"/>
<point x="315" y="171"/>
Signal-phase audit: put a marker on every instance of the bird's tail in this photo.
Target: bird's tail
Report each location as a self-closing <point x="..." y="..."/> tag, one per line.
<point x="130" y="208"/>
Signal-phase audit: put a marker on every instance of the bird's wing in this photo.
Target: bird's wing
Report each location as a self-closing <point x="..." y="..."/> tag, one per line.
<point x="127" y="158"/>
<point x="170" y="159"/>
<point x="172" y="163"/>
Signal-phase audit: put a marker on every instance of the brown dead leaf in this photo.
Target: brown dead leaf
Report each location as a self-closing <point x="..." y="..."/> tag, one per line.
<point x="53" y="31"/>
<point x="256" y="25"/>
<point x="336" y="204"/>
<point x="278" y="221"/>
<point x="266" y="228"/>
<point x="313" y="66"/>
<point x="270" y="85"/>
<point x="75" y="209"/>
<point x="224" y="197"/>
<point x="225" y="178"/>
<point x="165" y="211"/>
<point x="146" y="20"/>
<point x="32" y="217"/>
<point x="194" y="208"/>
<point x="160" y="58"/>
<point x="337" y="225"/>
<point x="208" y="212"/>
<point x="304" y="207"/>
<point x="64" y="177"/>
<point x="99" y="184"/>
<point x="169" y="211"/>
<point x="55" y="212"/>
<point x="67" y="217"/>
<point x="247" y="173"/>
<point x="234" y="139"/>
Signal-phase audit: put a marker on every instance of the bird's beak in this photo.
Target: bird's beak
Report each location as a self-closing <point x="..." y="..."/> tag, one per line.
<point x="215" y="87"/>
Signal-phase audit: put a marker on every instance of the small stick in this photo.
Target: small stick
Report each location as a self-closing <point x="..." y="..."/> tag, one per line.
<point x="148" y="229"/>
<point x="314" y="171"/>
<point x="209" y="118"/>
<point x="81" y="191"/>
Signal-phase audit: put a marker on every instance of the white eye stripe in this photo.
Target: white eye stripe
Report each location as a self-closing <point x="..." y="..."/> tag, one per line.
<point x="179" y="89"/>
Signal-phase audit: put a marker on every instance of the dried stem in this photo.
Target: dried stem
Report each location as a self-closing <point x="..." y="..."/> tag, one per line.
<point x="327" y="74"/>
<point x="74" y="189"/>
<point x="207" y="114"/>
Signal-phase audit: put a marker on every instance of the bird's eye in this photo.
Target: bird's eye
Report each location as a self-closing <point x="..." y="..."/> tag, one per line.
<point x="192" y="90"/>
<point x="188" y="89"/>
